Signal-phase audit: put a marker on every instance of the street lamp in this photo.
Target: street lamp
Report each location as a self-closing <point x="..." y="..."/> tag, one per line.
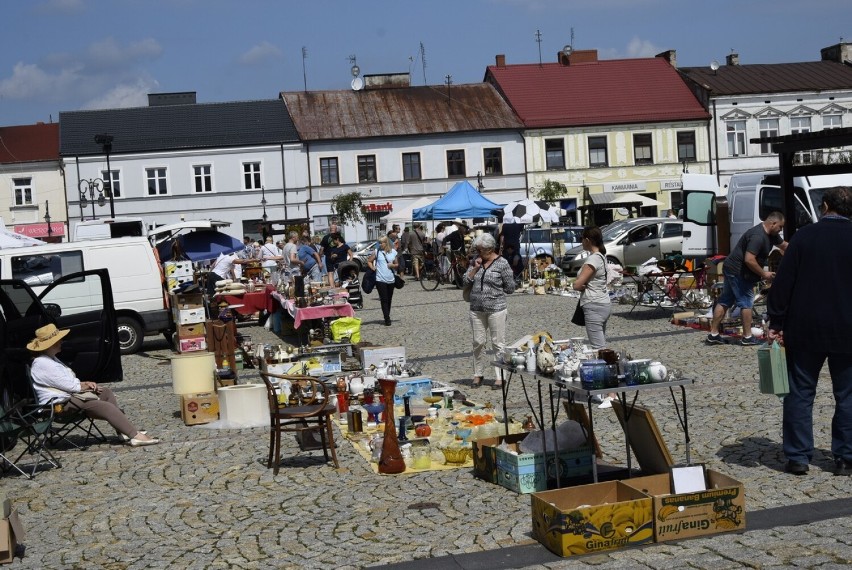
<point x="47" y="218"/>
<point x="106" y="142"/>
<point x="89" y="188"/>
<point x="263" y="203"/>
<point x="479" y="185"/>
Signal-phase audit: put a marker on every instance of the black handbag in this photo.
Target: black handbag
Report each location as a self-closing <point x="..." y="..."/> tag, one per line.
<point x="368" y="283"/>
<point x="579" y="317"/>
<point x="398" y="281"/>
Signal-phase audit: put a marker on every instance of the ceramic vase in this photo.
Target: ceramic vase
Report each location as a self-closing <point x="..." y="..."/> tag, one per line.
<point x="391" y="460"/>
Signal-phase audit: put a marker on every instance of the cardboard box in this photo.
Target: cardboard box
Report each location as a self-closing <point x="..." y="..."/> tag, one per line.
<point x="532" y="472"/>
<point x="11" y="534"/>
<point x="192" y="329"/>
<point x="721" y="508"/>
<point x="375" y="355"/>
<point x="485" y="455"/>
<point x="199" y="408"/>
<point x="191" y="316"/>
<point x="177" y="268"/>
<point x="192" y="344"/>
<point x="592" y="518"/>
<point x="187" y="300"/>
<point x="174" y="282"/>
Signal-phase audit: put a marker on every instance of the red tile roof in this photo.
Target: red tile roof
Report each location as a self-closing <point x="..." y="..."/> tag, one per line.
<point x="29" y="143"/>
<point x="606" y="92"/>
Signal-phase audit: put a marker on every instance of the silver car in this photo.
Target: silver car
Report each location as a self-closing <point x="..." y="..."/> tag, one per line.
<point x="539" y="241"/>
<point x="632" y="242"/>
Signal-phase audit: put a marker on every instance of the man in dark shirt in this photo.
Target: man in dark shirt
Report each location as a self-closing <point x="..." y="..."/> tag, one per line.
<point x="810" y="313"/>
<point x="456" y="238"/>
<point x="510" y="234"/>
<point x="742" y="270"/>
<point x="338" y="252"/>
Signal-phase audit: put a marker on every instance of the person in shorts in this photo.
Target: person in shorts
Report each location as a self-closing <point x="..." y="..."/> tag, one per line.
<point x="742" y="270"/>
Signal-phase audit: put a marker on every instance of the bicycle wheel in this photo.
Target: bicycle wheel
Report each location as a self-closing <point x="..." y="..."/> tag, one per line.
<point x="459" y="268"/>
<point x="429" y="275"/>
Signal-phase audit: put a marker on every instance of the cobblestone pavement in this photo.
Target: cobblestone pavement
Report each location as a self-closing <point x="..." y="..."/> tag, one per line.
<point x="205" y="499"/>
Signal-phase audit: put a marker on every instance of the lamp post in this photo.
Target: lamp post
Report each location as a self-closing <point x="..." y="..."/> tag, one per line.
<point x="47" y="219"/>
<point x="106" y="142"/>
<point x="479" y="185"/>
<point x="263" y="203"/>
<point x="89" y="188"/>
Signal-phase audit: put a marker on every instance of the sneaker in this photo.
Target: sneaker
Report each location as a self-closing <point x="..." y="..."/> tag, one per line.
<point x="749" y="341"/>
<point x="844" y="468"/>
<point x="606" y="403"/>
<point x="715" y="339"/>
<point x="796" y="468"/>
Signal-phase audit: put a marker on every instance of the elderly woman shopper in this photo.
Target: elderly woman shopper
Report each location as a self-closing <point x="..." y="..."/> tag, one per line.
<point x="594" y="297"/>
<point x="383" y="262"/>
<point x="490" y="279"/>
<point x="54" y="382"/>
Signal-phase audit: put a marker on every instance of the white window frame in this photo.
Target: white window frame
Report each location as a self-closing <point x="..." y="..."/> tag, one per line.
<point x="767" y="130"/>
<point x="204" y="177"/>
<point x="164" y="181"/>
<point x="798" y="125"/>
<point x="831" y="118"/>
<point x="735" y="133"/>
<point x="258" y="175"/>
<point x="113" y="179"/>
<point x="25" y="188"/>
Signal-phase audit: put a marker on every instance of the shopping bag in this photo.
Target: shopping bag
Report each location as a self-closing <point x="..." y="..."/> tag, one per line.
<point x="579" y="317"/>
<point x="466" y="292"/>
<point x="772" y="365"/>
<point x="346" y="327"/>
<point x="368" y="283"/>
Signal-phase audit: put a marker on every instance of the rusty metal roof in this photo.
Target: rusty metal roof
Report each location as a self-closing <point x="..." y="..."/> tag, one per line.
<point x="772" y="78"/>
<point x="334" y="115"/>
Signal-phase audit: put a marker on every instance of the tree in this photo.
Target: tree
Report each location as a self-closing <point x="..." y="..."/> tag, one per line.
<point x="551" y="191"/>
<point x="347" y="207"/>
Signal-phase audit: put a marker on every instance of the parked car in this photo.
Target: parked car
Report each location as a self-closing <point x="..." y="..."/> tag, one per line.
<point x="361" y="251"/>
<point x="81" y="302"/>
<point x="539" y="241"/>
<point x="632" y="242"/>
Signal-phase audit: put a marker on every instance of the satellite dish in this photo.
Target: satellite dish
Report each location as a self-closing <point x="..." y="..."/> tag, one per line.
<point x="357" y="84"/>
<point x="356" y="71"/>
<point x="623" y="211"/>
<point x="567" y="50"/>
<point x="714" y="65"/>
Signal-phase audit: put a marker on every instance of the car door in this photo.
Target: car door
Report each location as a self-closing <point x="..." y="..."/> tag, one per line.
<point x="85" y="306"/>
<point x="642" y="244"/>
<point x="671" y="238"/>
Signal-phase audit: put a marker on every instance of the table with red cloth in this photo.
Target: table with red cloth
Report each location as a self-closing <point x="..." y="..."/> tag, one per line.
<point x="309" y="313"/>
<point x="251" y="302"/>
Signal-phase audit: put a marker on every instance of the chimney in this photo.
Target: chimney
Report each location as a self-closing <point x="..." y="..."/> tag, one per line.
<point x="732" y="59"/>
<point x="670" y="55"/>
<point x="500" y="60"/>
<point x="577" y="56"/>
<point x="841" y="53"/>
<point x="181" y="98"/>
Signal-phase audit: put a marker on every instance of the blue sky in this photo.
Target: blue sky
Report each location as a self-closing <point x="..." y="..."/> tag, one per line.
<point x="63" y="55"/>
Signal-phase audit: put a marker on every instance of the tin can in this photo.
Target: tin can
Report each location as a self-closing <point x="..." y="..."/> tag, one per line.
<point x="354" y="421"/>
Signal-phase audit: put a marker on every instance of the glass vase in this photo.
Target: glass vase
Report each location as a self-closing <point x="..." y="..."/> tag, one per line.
<point x="391" y="460"/>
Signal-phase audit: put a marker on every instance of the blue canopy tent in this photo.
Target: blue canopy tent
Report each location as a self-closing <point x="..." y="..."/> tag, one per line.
<point x="199" y="245"/>
<point x="462" y="201"/>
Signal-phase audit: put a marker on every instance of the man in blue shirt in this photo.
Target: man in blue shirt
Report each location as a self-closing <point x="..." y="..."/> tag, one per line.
<point x="311" y="262"/>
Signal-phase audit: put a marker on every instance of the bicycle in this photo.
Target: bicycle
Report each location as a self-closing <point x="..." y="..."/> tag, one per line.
<point x="445" y="267"/>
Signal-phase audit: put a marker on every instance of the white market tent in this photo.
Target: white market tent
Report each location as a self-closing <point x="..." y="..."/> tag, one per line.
<point x="11" y="239"/>
<point x="406" y="214"/>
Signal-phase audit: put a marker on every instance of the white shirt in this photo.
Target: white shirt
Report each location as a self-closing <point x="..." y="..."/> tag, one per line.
<point x="224" y="265"/>
<point x="53" y="380"/>
<point x="269" y="250"/>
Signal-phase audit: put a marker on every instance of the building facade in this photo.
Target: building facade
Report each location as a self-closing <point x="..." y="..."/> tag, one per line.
<point x="31" y="176"/>
<point x="604" y="127"/>
<point x="752" y="101"/>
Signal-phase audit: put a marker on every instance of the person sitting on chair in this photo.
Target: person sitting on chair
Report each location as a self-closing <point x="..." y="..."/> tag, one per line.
<point x="54" y="382"/>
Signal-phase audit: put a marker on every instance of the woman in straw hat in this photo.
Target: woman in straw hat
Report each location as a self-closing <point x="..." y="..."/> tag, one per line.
<point x="54" y="382"/>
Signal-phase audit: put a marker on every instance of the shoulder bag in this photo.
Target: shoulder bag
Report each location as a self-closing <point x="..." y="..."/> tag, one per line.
<point x="398" y="282"/>
<point x="579" y="317"/>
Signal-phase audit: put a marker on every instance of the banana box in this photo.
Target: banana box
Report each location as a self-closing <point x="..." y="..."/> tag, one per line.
<point x="720" y="508"/>
<point x="592" y="518"/>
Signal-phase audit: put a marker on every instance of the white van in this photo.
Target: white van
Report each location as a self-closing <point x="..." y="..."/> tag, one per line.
<point x="107" y="228"/>
<point x="137" y="285"/>
<point x="751" y="196"/>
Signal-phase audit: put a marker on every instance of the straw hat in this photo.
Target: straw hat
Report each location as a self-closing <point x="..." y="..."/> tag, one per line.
<point x="46" y="336"/>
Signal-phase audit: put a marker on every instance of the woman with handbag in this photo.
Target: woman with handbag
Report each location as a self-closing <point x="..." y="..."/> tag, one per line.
<point x="594" y="307"/>
<point x="488" y="280"/>
<point x="383" y="262"/>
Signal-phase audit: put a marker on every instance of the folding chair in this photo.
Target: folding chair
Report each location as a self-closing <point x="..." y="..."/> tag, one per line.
<point x="66" y="419"/>
<point x="25" y="423"/>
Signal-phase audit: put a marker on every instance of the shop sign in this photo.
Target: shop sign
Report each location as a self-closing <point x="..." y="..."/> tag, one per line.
<point x="40" y="230"/>
<point x="386" y="207"/>
<point x="635" y="186"/>
<point x="671" y="184"/>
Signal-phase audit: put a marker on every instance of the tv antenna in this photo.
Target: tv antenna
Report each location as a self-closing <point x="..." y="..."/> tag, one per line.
<point x="448" y="80"/>
<point x="538" y="41"/>
<point x="423" y="60"/>
<point x="304" y="72"/>
<point x="568" y="49"/>
<point x="355" y="70"/>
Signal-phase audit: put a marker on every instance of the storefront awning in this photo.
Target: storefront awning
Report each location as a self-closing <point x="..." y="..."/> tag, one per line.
<point x="39" y="230"/>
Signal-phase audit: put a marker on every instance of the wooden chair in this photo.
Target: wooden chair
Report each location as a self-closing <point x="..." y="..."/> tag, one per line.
<point x="312" y="413"/>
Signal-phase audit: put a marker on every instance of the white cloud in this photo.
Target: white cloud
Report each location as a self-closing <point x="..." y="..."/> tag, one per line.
<point x="124" y="95"/>
<point x="642" y="48"/>
<point x="108" y="53"/>
<point x="29" y="81"/>
<point x="260" y="53"/>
